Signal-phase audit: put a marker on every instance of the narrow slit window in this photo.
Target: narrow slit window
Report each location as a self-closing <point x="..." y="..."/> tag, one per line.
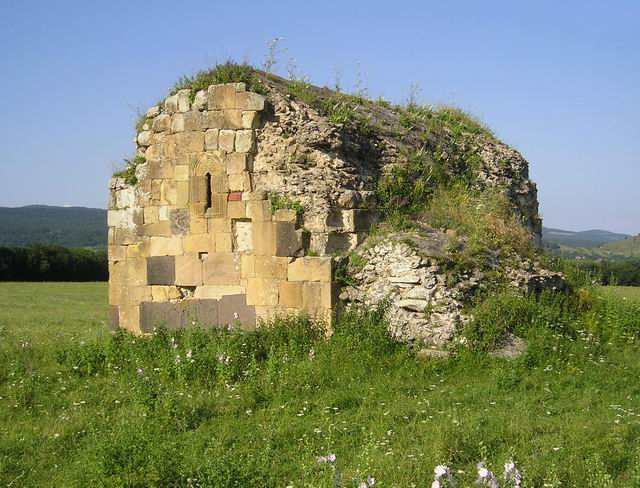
<point x="207" y="178"/>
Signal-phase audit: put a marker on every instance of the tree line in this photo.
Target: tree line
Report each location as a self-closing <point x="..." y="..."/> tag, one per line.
<point x="624" y="272"/>
<point x="53" y="263"/>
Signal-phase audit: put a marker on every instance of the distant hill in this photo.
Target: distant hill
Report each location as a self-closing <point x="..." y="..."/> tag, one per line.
<point x="582" y="239"/>
<point x="629" y="247"/>
<point x="42" y="224"/>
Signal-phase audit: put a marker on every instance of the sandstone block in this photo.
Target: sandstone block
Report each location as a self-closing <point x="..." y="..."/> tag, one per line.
<point x="184" y="104"/>
<point x="247" y="266"/>
<point x="211" y="139"/>
<point x="157" y="229"/>
<point x="189" y="142"/>
<point x="117" y="253"/>
<point x="138" y="250"/>
<point x="182" y="193"/>
<point x="218" y="291"/>
<point x="213" y="119"/>
<point x="181" y="172"/>
<point x="250" y="119"/>
<point x="171" y="104"/>
<point x="236" y="210"/>
<point x="161" y="293"/>
<point x="153" y="111"/>
<point x="192" y="120"/>
<point x="237" y="163"/>
<point x="316" y="297"/>
<point x="244" y="140"/>
<point x="129" y="318"/>
<point x="232" y="119"/>
<point x="259" y="210"/>
<point x="198" y="243"/>
<point x="271" y="267"/>
<point x="197" y="224"/>
<point x="226" y="140"/>
<point x="250" y="101"/>
<point x="290" y="295"/>
<point x="262" y="292"/>
<point x="144" y="138"/>
<point x="188" y="270"/>
<point x="221" y="269"/>
<point x="150" y="215"/>
<point x="200" y="100"/>
<point x="161" y="123"/>
<point x="177" y="122"/>
<point x="224" y="242"/>
<point x="163" y="213"/>
<point x="285" y="215"/>
<point x="310" y="268"/>
<point x="220" y="225"/>
<point x="240" y="182"/>
<point x="165" y="246"/>
<point x="222" y="96"/>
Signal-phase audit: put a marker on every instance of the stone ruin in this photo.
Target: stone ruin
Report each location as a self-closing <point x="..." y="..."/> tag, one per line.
<point x="242" y="204"/>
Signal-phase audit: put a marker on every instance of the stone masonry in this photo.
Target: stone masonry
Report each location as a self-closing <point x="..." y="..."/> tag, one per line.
<point x="196" y="240"/>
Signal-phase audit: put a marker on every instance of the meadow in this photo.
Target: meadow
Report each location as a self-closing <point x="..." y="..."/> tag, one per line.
<point x="285" y="406"/>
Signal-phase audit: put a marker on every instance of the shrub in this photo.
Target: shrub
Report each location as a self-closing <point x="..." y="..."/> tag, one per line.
<point x="129" y="171"/>
<point x="227" y="72"/>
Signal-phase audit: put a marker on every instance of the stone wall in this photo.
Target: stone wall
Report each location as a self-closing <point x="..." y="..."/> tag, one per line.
<point x="196" y="239"/>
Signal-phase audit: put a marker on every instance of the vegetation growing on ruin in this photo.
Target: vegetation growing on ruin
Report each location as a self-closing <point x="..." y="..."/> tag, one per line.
<point x="279" y="201"/>
<point x="129" y="170"/>
<point x="227" y="72"/>
<point x="80" y="407"/>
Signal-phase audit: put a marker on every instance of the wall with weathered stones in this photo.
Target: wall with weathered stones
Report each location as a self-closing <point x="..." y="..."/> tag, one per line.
<point x="196" y="240"/>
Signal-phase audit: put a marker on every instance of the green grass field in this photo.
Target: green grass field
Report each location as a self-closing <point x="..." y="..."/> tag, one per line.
<point x="81" y="408"/>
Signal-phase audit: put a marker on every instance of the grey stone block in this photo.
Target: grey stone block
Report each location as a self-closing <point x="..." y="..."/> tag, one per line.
<point x="233" y="309"/>
<point x="114" y="317"/>
<point x="161" y="270"/>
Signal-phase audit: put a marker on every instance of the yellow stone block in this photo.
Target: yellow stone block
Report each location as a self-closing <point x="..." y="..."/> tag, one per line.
<point x="165" y="246"/>
<point x="219" y="225"/>
<point x="150" y="215"/>
<point x="162" y="293"/>
<point x="222" y="269"/>
<point x="222" y="96"/>
<point x="182" y="194"/>
<point x="316" y="297"/>
<point x="232" y="119"/>
<point x="290" y="295"/>
<point x="259" y="210"/>
<point x="138" y="294"/>
<point x="224" y="242"/>
<point x="226" y="140"/>
<point x="237" y="209"/>
<point x="130" y="318"/>
<point x="247" y="266"/>
<point x="139" y="250"/>
<point x="197" y="243"/>
<point x="262" y="292"/>
<point x="162" y="228"/>
<point x="181" y="172"/>
<point x="188" y="270"/>
<point x="264" y="238"/>
<point x="271" y="267"/>
<point x="310" y="268"/>
<point x="218" y="291"/>
<point x="240" y="182"/>
<point x="236" y="163"/>
<point x="117" y="253"/>
<point x="198" y="225"/>
<point x="285" y="215"/>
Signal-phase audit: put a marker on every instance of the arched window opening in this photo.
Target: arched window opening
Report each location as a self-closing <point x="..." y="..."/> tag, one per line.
<point x="207" y="178"/>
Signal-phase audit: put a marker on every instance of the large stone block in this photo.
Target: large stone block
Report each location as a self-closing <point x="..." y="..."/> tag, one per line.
<point x="213" y="119"/>
<point x="244" y="140"/>
<point x="234" y="309"/>
<point x="218" y="291"/>
<point x="236" y="210"/>
<point x="242" y="236"/>
<point x="259" y="210"/>
<point x="189" y="142"/>
<point x="264" y="238"/>
<point x="198" y="243"/>
<point x="117" y="253"/>
<point x="114" y="317"/>
<point x="290" y="295"/>
<point x="160" y="314"/>
<point x="316" y="297"/>
<point x="232" y="119"/>
<point x="188" y="270"/>
<point x="222" y="96"/>
<point x="129" y="318"/>
<point x="222" y="269"/>
<point x="262" y="292"/>
<point x="211" y="139"/>
<point x="224" y="242"/>
<point x="237" y="163"/>
<point x="165" y="246"/>
<point x="171" y="104"/>
<point x="287" y="241"/>
<point x="250" y="101"/>
<point x="207" y="313"/>
<point x="161" y="123"/>
<point x="271" y="267"/>
<point x="161" y="270"/>
<point x="226" y="140"/>
<point x="310" y="268"/>
<point x="250" y="119"/>
<point x="157" y="229"/>
<point x="164" y="293"/>
<point x="177" y="123"/>
<point x="240" y="182"/>
<point x="150" y="215"/>
<point x="184" y="100"/>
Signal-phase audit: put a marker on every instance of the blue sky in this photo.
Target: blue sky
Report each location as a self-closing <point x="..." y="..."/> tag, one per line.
<point x="560" y="81"/>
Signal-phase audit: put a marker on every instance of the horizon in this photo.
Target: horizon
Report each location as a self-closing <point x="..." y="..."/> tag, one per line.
<point x="560" y="88"/>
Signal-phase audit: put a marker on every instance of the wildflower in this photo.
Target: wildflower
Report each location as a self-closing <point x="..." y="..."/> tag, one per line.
<point x="312" y="354"/>
<point x="511" y="473"/>
<point x="189" y="354"/>
<point x="139" y="371"/>
<point x="371" y="480"/>
<point x="486" y="477"/>
<point x="331" y="458"/>
<point x="174" y="344"/>
<point x="441" y="472"/>
<point x="178" y="359"/>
